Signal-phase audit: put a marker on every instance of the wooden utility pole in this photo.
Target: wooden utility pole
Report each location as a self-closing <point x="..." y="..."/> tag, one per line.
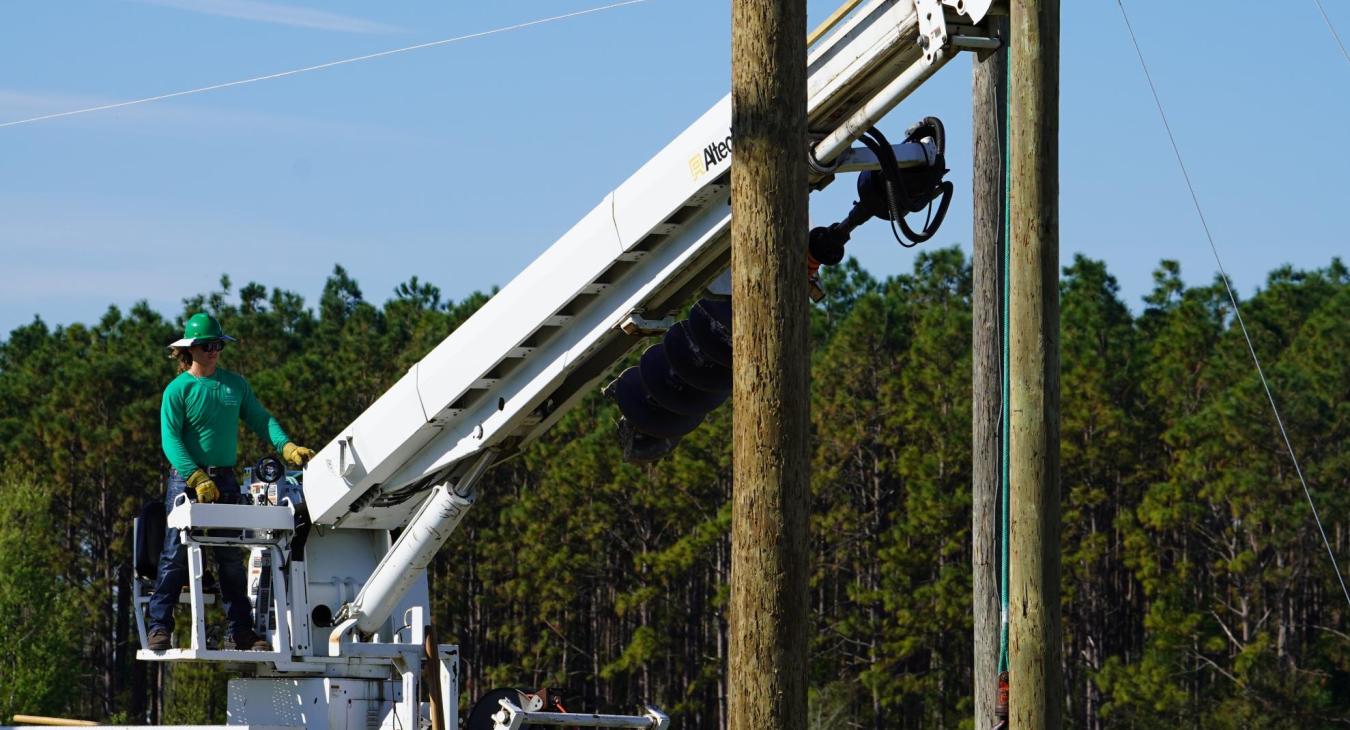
<point x="767" y="677"/>
<point x="1037" y="692"/>
<point x="989" y="112"/>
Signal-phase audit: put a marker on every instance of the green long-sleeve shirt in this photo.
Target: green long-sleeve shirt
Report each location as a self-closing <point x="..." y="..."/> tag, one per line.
<point x="199" y="420"/>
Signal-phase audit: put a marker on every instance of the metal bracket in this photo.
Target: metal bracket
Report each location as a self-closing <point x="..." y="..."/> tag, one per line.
<point x="636" y="324"/>
<point x="511" y="717"/>
<point x="973" y="9"/>
<point x="344" y="627"/>
<point x="345" y="462"/>
<point x="932" y="26"/>
<point x="976" y="43"/>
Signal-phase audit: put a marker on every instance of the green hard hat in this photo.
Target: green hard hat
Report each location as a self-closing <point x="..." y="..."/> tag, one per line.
<point x="201" y="327"/>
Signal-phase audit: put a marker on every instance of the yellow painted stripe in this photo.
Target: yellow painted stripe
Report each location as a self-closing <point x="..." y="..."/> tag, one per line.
<point x="839" y="14"/>
<point x="40" y="720"/>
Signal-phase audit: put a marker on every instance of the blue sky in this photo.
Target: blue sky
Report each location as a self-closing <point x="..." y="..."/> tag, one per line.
<point x="461" y="163"/>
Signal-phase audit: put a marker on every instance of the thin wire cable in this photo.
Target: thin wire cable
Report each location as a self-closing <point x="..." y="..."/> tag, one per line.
<point x="1005" y="484"/>
<point x="321" y="66"/>
<point x="1332" y="28"/>
<point x="1237" y="311"/>
<point x="1002" y="334"/>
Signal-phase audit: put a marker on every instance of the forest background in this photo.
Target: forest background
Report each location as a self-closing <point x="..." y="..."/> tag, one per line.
<point x="1196" y="591"/>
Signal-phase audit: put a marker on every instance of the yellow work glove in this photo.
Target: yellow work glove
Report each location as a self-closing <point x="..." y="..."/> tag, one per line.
<point x="205" y="488"/>
<point x="296" y="455"/>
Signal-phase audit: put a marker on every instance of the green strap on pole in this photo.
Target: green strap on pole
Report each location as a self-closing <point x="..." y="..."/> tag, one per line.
<point x="1006" y="385"/>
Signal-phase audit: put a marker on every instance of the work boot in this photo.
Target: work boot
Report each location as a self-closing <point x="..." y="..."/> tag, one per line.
<point x="159" y="639"/>
<point x="248" y="641"/>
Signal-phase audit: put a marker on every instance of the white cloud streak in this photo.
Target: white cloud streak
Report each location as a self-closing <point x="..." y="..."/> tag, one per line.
<point x="277" y="14"/>
<point x="196" y="119"/>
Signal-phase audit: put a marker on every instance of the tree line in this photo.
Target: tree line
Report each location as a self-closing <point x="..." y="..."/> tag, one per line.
<point x="1196" y="590"/>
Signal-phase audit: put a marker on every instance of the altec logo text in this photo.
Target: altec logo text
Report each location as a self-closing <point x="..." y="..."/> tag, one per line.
<point x="714" y="154"/>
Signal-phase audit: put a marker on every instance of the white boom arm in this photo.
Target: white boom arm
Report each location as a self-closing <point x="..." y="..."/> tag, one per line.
<point x="509" y="372"/>
<point x="532" y="351"/>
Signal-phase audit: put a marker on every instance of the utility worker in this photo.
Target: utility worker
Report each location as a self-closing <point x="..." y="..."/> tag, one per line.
<point x="199" y="426"/>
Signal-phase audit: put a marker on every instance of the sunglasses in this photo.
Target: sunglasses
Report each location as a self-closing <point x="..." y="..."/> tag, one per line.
<point x="211" y="345"/>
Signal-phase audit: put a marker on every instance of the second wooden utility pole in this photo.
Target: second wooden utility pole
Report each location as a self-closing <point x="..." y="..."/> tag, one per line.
<point x="767" y="662"/>
<point x="989" y="107"/>
<point x="1037" y="693"/>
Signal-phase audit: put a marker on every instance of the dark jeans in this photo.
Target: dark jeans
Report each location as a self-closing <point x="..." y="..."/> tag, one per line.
<point x="173" y="571"/>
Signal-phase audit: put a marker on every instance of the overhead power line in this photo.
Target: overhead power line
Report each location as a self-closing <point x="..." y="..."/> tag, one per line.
<point x="1237" y="311"/>
<point x="1332" y="28"/>
<point x="321" y="66"/>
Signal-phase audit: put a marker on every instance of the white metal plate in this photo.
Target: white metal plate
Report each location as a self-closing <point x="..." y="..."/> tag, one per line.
<point x="197" y="515"/>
